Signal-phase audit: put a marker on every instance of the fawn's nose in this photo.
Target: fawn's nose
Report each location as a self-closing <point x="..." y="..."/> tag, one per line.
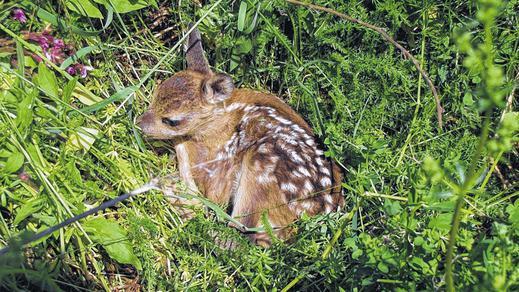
<point x="145" y="121"/>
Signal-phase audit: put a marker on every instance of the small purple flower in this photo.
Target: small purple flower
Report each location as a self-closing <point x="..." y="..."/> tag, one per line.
<point x="71" y="70"/>
<point x="56" y="55"/>
<point x="83" y="70"/>
<point x="79" y="69"/>
<point x="45" y="40"/>
<point x="58" y="43"/>
<point x="19" y="14"/>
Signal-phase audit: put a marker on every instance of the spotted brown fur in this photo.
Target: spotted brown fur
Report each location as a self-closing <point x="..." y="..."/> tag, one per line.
<point x="242" y="148"/>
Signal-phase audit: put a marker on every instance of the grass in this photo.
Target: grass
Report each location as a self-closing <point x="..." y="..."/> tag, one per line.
<point x="69" y="143"/>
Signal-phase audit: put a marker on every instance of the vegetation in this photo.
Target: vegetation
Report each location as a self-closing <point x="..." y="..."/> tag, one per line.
<point x="427" y="208"/>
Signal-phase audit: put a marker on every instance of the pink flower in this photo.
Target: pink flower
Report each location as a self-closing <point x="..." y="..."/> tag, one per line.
<point x="71" y="70"/>
<point x="24" y="176"/>
<point x="57" y="56"/>
<point x="83" y="70"/>
<point x="19" y="14"/>
<point x="79" y="69"/>
<point x="58" y="43"/>
<point x="57" y="51"/>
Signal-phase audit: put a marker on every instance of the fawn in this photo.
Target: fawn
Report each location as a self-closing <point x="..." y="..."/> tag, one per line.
<point x="240" y="148"/>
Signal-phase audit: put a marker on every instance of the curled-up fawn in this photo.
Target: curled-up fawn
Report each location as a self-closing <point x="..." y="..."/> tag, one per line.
<point x="240" y="148"/>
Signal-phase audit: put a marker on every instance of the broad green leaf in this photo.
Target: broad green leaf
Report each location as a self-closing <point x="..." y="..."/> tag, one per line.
<point x="254" y="20"/>
<point x="513" y="213"/>
<point x="58" y="21"/>
<point x="28" y="208"/>
<point x="467" y="99"/>
<point x="68" y="89"/>
<point x="242" y="14"/>
<point x="83" y="138"/>
<point x="24" y="114"/>
<point x="85" y="8"/>
<point x="74" y="58"/>
<point x="120" y="95"/>
<point x="113" y="238"/>
<point x="441" y="222"/>
<point x="13" y="163"/>
<point x="46" y="79"/>
<point x="419" y="264"/>
<point x="73" y="173"/>
<point x="356" y="254"/>
<point x="29" y="62"/>
<point x="124" y="6"/>
<point x="244" y="46"/>
<point x="392" y="208"/>
<point x="85" y="97"/>
<point x="383" y="267"/>
<point x="419" y="240"/>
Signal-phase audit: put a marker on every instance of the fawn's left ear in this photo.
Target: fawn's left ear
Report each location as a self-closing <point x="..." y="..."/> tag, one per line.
<point x="195" y="53"/>
<point x="217" y="88"/>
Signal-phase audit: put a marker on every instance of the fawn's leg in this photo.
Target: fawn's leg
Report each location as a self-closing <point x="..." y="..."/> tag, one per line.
<point x="185" y="154"/>
<point x="258" y="193"/>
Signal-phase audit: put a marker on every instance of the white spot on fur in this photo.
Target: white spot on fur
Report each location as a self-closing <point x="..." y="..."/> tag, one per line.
<point x="325" y="181"/>
<point x="328" y="209"/>
<point x="284" y="121"/>
<point x="263" y="149"/>
<point x="328" y="199"/>
<point x="289" y="187"/>
<point x="309" y="187"/>
<point x="307" y="204"/>
<point x="249" y="108"/>
<point x="295" y="157"/>
<point x="234" y="107"/>
<point x="297" y="174"/>
<point x="288" y="138"/>
<point x="319" y="161"/>
<point x="298" y="129"/>
<point x="265" y="178"/>
<point x="303" y="171"/>
<point x="325" y="170"/>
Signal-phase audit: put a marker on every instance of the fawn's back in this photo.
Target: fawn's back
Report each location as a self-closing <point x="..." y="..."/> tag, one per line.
<point x="240" y="148"/>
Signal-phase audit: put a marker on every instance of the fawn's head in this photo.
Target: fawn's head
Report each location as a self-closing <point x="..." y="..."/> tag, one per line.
<point x="185" y="102"/>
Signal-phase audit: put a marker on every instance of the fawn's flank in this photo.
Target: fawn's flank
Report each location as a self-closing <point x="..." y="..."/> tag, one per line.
<point x="240" y="148"/>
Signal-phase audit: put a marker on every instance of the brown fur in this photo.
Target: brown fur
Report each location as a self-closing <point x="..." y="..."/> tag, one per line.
<point x="241" y="148"/>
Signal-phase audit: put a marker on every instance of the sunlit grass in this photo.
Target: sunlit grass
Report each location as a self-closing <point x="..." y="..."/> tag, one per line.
<point x="62" y="153"/>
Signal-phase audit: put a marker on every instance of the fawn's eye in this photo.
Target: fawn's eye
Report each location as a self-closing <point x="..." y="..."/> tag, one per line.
<point x="171" y="122"/>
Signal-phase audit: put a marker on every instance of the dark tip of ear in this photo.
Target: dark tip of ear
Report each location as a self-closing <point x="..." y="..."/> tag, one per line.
<point x="195" y="52"/>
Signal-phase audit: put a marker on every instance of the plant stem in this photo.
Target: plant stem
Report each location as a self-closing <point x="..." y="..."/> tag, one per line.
<point x="418" y="94"/>
<point x="465" y="188"/>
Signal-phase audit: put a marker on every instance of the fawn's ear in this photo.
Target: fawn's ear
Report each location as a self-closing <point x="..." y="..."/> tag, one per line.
<point x="195" y="53"/>
<point x="217" y="88"/>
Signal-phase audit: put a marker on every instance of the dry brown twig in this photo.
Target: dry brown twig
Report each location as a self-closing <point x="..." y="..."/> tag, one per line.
<point x="383" y="33"/>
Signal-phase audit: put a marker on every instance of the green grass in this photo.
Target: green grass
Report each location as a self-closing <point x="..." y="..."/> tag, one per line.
<point x="62" y="153"/>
